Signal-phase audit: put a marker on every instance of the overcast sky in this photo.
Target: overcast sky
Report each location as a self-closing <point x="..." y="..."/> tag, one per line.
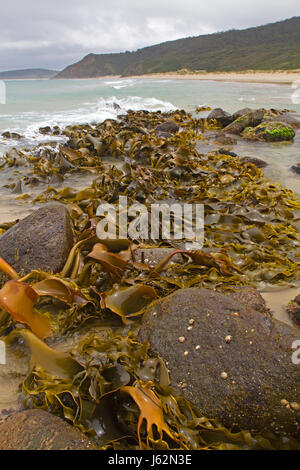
<point x="39" y="33"/>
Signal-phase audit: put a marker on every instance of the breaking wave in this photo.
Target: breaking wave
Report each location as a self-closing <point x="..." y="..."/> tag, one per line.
<point x="87" y="113"/>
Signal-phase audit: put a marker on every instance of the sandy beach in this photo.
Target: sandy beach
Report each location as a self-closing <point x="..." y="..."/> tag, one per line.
<point x="278" y="77"/>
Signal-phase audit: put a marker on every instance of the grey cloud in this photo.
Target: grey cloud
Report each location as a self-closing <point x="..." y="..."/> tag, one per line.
<point x="57" y="33"/>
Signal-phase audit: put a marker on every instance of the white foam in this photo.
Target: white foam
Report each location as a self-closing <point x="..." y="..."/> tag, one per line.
<point x="247" y="98"/>
<point x="96" y="112"/>
<point x="119" y="84"/>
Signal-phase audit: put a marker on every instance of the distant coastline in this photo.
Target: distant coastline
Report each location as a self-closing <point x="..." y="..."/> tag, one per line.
<point x="279" y="77"/>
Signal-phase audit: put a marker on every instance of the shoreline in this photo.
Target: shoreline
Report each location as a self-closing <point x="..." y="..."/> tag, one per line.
<point x="276" y="77"/>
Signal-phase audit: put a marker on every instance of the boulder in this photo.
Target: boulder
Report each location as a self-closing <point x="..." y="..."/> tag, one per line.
<point x="241" y="112"/>
<point x="41" y="241"/>
<point x="296" y="169"/>
<point x="272" y="131"/>
<point x="12" y="135"/>
<point x="39" y="430"/>
<point x="293" y="309"/>
<point x="12" y="373"/>
<point x="285" y="118"/>
<point x="250" y="119"/>
<point x="45" y="130"/>
<point x="234" y="363"/>
<point x="225" y="140"/>
<point x="256" y="161"/>
<point x="227" y="152"/>
<point x="221" y="116"/>
<point x="169" y="126"/>
<point x="251" y="297"/>
<point x="153" y="256"/>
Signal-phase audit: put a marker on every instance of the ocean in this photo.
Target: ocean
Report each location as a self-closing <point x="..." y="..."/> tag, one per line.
<point x="31" y="104"/>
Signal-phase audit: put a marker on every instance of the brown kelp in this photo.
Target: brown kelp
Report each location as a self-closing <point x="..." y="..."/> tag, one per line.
<point x="90" y="361"/>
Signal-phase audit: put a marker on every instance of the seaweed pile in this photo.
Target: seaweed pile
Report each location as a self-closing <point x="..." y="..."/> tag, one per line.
<point x="106" y="383"/>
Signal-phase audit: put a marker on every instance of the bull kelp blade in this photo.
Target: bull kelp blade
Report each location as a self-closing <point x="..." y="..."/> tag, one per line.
<point x="150" y="409"/>
<point x="115" y="245"/>
<point x="110" y="262"/>
<point x="18" y="299"/>
<point x="129" y="301"/>
<point x="59" y="289"/>
<point x="53" y="288"/>
<point x="54" y="362"/>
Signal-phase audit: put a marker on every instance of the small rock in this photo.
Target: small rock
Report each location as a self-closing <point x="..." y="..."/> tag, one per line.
<point x="45" y="130"/>
<point x="153" y="256"/>
<point x="256" y="161"/>
<point x="168" y="126"/>
<point x="225" y="140"/>
<point x="296" y="169"/>
<point x="227" y="152"/>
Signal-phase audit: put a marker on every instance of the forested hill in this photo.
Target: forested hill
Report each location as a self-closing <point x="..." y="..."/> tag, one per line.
<point x="269" y="47"/>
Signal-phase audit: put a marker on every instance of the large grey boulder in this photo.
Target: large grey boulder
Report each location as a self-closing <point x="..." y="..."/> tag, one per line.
<point x="251" y="119"/>
<point x="221" y="116"/>
<point x="235" y="363"/>
<point x="241" y="112"/>
<point x="39" y="430"/>
<point x="42" y="240"/>
<point x="285" y="118"/>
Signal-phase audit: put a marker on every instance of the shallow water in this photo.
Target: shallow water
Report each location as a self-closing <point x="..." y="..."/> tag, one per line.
<point x="277" y="300"/>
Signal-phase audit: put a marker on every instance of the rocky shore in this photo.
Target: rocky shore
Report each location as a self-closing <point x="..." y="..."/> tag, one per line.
<point x="104" y="334"/>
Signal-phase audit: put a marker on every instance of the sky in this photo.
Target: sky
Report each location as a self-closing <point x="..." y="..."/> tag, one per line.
<point x="53" y="34"/>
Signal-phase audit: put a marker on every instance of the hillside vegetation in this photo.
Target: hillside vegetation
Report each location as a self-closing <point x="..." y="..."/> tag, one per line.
<point x="27" y="74"/>
<point x="268" y="47"/>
